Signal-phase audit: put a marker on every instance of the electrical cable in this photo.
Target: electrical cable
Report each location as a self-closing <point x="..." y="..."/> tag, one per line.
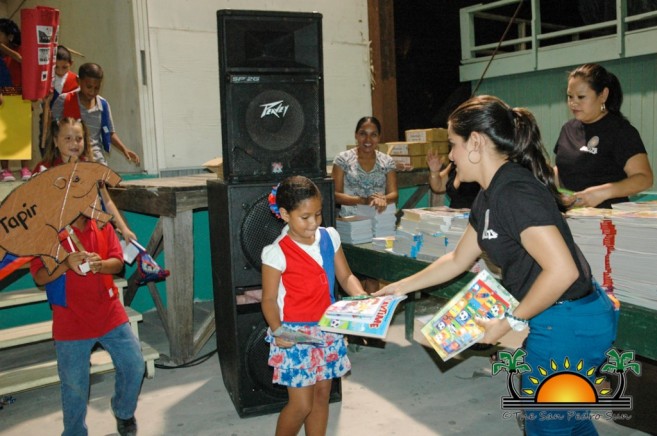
<point x="18" y="8"/>
<point x="499" y="44"/>
<point x="191" y="363"/>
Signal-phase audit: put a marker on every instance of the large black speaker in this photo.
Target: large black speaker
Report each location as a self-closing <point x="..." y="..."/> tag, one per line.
<point x="241" y="225"/>
<point x="272" y="94"/>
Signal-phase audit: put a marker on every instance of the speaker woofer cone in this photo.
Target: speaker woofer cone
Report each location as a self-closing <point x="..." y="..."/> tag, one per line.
<point x="257" y="366"/>
<point x="275" y="120"/>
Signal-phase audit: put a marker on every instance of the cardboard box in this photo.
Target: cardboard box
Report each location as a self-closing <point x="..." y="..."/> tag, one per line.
<point x="216" y="165"/>
<point x="407" y="148"/>
<point x="442" y="147"/>
<point x="426" y="135"/>
<point x="410" y="162"/>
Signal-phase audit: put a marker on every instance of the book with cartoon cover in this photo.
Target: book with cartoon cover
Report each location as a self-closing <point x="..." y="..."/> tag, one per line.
<point x="453" y="329"/>
<point x="356" y="308"/>
<point x="373" y="327"/>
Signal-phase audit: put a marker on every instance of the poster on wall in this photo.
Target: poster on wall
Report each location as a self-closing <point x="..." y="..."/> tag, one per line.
<point x="15" y="128"/>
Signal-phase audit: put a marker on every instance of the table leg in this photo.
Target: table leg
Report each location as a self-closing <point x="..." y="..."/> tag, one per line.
<point x="179" y="253"/>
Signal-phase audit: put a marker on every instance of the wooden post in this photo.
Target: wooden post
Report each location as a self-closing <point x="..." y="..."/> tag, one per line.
<point x="384" y="71"/>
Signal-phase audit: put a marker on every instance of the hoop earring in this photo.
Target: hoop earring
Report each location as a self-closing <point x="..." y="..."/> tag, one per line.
<point x="470" y="160"/>
<point x="603" y="108"/>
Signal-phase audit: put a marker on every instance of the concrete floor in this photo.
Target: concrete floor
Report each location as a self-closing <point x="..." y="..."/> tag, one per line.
<point x="401" y="389"/>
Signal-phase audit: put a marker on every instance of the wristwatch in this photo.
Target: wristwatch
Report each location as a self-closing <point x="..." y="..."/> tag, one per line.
<point x="517" y="324"/>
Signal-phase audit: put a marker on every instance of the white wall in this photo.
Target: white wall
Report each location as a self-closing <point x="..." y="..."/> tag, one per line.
<point x="184" y="62"/>
<point x="102" y="31"/>
<point x="174" y="121"/>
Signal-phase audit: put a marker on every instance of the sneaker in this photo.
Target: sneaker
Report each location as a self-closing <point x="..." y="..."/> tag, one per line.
<point x="25" y="174"/>
<point x="7" y="176"/>
<point x="126" y="427"/>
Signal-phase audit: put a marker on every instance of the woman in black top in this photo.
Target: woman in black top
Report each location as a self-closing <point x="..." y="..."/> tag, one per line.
<point x="599" y="154"/>
<point x="516" y="219"/>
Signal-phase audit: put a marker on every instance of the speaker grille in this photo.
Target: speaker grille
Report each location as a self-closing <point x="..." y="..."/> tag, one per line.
<point x="273" y="126"/>
<point x="258" y="229"/>
<point x="257" y="366"/>
<point x="269" y="41"/>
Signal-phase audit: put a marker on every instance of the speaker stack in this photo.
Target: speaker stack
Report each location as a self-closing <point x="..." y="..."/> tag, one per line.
<point x="272" y="120"/>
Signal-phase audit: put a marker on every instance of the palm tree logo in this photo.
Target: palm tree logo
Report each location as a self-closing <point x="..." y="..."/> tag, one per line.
<point x="620" y="365"/>
<point x="512" y="364"/>
<point x="571" y="386"/>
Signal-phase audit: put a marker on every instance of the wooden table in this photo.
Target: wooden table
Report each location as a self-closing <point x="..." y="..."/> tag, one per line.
<point x="173" y="200"/>
<point x="636" y="327"/>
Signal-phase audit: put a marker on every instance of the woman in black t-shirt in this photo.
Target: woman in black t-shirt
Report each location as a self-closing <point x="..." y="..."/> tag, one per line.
<point x="516" y="219"/>
<point x="599" y="154"/>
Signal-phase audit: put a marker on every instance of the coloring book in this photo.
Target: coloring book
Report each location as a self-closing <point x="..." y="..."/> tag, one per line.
<point x="453" y="329"/>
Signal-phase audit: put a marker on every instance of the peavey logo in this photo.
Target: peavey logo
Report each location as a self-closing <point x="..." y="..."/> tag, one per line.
<point x="275" y="108"/>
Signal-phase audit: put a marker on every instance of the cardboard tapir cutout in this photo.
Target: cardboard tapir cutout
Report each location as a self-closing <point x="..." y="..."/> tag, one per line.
<point x="33" y="215"/>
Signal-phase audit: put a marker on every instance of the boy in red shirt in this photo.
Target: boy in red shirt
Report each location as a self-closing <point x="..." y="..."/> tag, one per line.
<point x="88" y="313"/>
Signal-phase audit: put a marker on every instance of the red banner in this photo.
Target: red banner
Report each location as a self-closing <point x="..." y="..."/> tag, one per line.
<point x="39" y="34"/>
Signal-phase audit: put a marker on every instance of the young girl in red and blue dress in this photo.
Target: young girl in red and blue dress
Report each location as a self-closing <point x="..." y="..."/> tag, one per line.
<point x="298" y="272"/>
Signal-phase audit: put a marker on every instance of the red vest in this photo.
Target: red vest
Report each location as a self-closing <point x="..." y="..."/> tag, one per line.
<point x="306" y="285"/>
<point x="70" y="83"/>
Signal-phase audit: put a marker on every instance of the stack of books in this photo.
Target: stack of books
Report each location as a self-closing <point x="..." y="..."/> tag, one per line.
<point x="440" y="227"/>
<point x="636" y="206"/>
<point x="587" y="226"/>
<point x="634" y="257"/>
<point x="619" y="246"/>
<point x="383" y="223"/>
<point x="407" y="243"/>
<point x="354" y="229"/>
<point x="383" y="243"/>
